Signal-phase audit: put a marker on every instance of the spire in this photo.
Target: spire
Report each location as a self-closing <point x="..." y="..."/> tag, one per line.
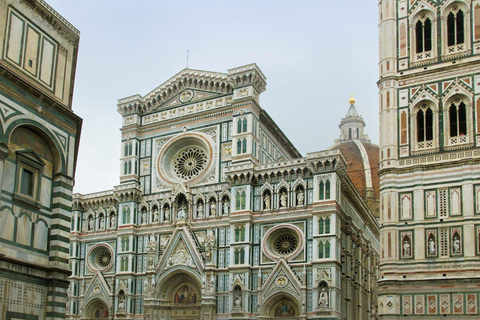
<point x="352" y="125"/>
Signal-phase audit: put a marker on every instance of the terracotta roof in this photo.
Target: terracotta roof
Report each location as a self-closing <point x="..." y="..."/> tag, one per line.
<point x="355" y="165"/>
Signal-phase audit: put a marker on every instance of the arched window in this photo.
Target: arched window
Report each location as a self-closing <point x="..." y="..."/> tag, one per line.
<point x="244" y="145"/>
<point x="458" y="119"/>
<point x="242" y="233"/>
<point x="321" y="195"/>
<point x="423" y="36"/>
<point x="129" y="148"/>
<point x="327" y="249"/>
<point x="237" y="234"/>
<point x="358" y="133"/>
<point x="320" y="250"/>
<point x="349" y="133"/>
<point x="237" y="256"/>
<point x="245" y="125"/>
<point x="424" y="125"/>
<point x="129" y="167"/>
<point x="125" y="167"/>
<point x="243" y="201"/>
<point x="327" y="189"/>
<point x="239" y="146"/>
<point x="455" y="28"/>
<point x="327" y="225"/>
<point x="126" y="150"/>
<point x="238" y="200"/>
<point x="242" y="256"/>
<point x="403" y="128"/>
<point x="321" y="226"/>
<point x="239" y="126"/>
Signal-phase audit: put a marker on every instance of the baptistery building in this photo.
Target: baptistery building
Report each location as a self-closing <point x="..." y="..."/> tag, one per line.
<point x="218" y="216"/>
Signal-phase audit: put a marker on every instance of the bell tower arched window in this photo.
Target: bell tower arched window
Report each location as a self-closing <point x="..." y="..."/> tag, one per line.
<point x="458" y="119"/>
<point x="423" y="36"/>
<point x="424" y="125"/>
<point x="455" y="28"/>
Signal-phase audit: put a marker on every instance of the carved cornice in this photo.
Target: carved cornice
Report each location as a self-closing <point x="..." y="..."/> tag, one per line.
<point x="195" y="79"/>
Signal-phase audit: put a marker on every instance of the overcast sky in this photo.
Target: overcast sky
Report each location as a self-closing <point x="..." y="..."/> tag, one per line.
<point x="315" y="54"/>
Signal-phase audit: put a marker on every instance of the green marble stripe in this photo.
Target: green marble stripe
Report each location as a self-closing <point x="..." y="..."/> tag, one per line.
<point x="56" y="304"/>
<point x="61" y="216"/>
<point x="60" y="238"/>
<point x="58" y="259"/>
<point x="63" y="184"/>
<point x="61" y="206"/>
<point x="57" y="293"/>
<point x="60" y="227"/>
<point x="55" y="315"/>
<point x="61" y="249"/>
<point x="62" y="195"/>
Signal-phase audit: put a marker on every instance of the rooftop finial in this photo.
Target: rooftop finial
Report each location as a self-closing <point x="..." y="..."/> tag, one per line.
<point x="352" y="99"/>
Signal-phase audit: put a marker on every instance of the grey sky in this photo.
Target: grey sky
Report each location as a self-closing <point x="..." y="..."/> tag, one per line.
<point x="315" y="54"/>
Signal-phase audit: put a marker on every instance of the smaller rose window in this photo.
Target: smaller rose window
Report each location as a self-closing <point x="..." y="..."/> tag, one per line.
<point x="189" y="163"/>
<point x="100" y="257"/>
<point x="104" y="258"/>
<point x="285" y="244"/>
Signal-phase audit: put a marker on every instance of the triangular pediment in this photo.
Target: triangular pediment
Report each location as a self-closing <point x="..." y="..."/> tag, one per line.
<point x="181" y="251"/>
<point x="98" y="289"/>
<point x="423" y="94"/>
<point x="32" y="156"/>
<point x="187" y="96"/>
<point x="282" y="280"/>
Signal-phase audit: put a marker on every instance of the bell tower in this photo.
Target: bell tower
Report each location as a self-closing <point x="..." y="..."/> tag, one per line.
<point x="429" y="94"/>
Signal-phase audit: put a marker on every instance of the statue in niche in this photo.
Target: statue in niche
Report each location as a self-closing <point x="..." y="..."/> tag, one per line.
<point x="181" y="212"/>
<point x="200" y="210"/>
<point x="90" y="223"/>
<point x="267" y="201"/>
<point x="226" y="207"/>
<point x="113" y="221"/>
<point x="155" y="215"/>
<point x="213" y="208"/>
<point x="407" y="249"/>
<point x="121" y="303"/>
<point x="300" y="197"/>
<point x="431" y="246"/>
<point x="323" y="299"/>
<point x="456" y="243"/>
<point x="167" y="214"/>
<point x="283" y="200"/>
<point x="144" y="216"/>
<point x="102" y="222"/>
<point x="237" y="304"/>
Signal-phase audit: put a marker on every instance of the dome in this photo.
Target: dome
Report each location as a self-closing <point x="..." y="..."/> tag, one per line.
<point x="361" y="156"/>
<point x="362" y="168"/>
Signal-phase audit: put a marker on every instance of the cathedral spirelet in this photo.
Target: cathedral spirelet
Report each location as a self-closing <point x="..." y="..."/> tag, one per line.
<point x="217" y="214"/>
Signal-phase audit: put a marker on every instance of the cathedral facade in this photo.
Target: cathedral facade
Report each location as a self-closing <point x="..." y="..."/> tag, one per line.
<point x="429" y="159"/>
<point x="218" y="216"/>
<point x="39" y="136"/>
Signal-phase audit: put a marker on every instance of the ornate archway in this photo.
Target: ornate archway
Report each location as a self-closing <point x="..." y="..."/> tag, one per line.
<point x="96" y="310"/>
<point x="282" y="307"/>
<point x="178" y="296"/>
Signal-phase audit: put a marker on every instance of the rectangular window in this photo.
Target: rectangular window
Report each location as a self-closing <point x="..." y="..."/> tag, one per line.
<point x="27" y="183"/>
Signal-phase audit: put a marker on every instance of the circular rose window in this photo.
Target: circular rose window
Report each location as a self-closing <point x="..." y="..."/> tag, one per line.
<point x="100" y="257"/>
<point x="283" y="241"/>
<point x="285" y="244"/>
<point x="189" y="163"/>
<point x="188" y="157"/>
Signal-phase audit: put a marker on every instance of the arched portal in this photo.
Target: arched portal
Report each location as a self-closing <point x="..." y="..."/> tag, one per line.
<point x="96" y="310"/>
<point x="282" y="307"/>
<point x="179" y="295"/>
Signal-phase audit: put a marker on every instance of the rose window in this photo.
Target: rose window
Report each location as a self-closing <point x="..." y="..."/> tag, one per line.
<point x="100" y="257"/>
<point x="104" y="258"/>
<point x="189" y="163"/>
<point x="285" y="244"/>
<point x="285" y="241"/>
